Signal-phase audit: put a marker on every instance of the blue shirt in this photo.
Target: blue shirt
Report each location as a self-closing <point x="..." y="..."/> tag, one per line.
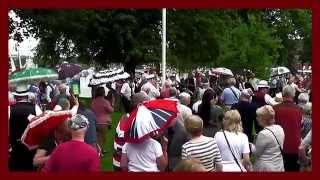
<point x="229" y="98"/>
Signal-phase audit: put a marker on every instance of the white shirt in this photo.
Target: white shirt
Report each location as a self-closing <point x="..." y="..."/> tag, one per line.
<point x="239" y="144"/>
<point x="126" y="90"/>
<point x="153" y="92"/>
<point x="143" y="157"/>
<point x="195" y="106"/>
<point x="269" y="100"/>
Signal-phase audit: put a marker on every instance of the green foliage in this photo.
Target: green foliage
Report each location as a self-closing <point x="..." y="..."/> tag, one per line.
<point x="238" y="39"/>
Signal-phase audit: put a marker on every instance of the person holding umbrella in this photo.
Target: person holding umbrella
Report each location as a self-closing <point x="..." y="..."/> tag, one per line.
<point x="142" y="153"/>
<point x="74" y="155"/>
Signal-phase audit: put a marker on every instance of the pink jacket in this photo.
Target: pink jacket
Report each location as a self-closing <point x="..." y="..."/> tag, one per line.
<point x="103" y="110"/>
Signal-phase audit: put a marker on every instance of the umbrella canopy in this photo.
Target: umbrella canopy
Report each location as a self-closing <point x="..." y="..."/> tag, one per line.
<point x="33" y="74"/>
<point x="108" y="76"/>
<point x="279" y="71"/>
<point x="41" y="126"/>
<point x="68" y="70"/>
<point x="150" y="118"/>
<point x="222" y="71"/>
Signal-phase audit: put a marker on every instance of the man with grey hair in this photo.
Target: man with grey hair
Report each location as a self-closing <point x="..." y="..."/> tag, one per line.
<point x="185" y="98"/>
<point x="289" y="116"/>
<point x="74" y="155"/>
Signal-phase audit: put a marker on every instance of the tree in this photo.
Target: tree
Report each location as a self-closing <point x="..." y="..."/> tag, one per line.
<point x="126" y="36"/>
<point x="237" y="39"/>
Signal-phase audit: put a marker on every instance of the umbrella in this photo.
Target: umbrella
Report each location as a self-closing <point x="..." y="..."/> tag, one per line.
<point x="150" y="118"/>
<point x="222" y="71"/>
<point x="41" y="126"/>
<point x="279" y="71"/>
<point x="33" y="74"/>
<point x="108" y="76"/>
<point x="68" y="70"/>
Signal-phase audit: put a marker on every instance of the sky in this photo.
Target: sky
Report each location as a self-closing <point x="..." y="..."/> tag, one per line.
<point x="26" y="46"/>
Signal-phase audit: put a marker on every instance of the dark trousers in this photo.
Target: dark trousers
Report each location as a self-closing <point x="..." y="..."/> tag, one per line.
<point x="291" y="162"/>
<point x="116" y="169"/>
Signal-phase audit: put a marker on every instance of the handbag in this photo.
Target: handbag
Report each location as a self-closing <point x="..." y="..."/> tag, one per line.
<point x="234" y="157"/>
<point x="281" y="150"/>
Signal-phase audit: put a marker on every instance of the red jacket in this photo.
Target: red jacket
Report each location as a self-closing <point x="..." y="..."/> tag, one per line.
<point x="288" y="115"/>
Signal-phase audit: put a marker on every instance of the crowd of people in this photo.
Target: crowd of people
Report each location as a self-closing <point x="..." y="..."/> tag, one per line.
<point x="229" y="125"/>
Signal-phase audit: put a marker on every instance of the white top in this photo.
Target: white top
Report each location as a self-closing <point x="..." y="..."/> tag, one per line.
<point x="269" y="100"/>
<point x="126" y="90"/>
<point x="184" y="111"/>
<point x="195" y="106"/>
<point x="239" y="144"/>
<point x="268" y="153"/>
<point x="143" y="157"/>
<point x="153" y="92"/>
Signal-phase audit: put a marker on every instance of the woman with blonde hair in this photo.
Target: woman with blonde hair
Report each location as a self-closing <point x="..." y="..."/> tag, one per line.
<point x="269" y="142"/>
<point x="190" y="165"/>
<point x="233" y="144"/>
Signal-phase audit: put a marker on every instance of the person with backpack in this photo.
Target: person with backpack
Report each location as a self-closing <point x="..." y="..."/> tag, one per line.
<point x="230" y="94"/>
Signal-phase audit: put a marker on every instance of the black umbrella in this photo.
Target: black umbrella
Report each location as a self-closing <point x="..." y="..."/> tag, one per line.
<point x="66" y="70"/>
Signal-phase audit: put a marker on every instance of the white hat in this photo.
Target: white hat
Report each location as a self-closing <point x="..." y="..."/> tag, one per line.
<point x="263" y="84"/>
<point x="21" y="90"/>
<point x="150" y="76"/>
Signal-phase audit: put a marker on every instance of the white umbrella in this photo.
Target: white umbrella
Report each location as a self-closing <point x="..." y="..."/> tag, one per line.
<point x="222" y="71"/>
<point x="279" y="71"/>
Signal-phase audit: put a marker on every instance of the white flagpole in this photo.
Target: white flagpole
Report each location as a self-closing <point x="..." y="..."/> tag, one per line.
<point x="164" y="23"/>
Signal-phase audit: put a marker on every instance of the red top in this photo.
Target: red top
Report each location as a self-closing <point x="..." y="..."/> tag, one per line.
<point x="73" y="156"/>
<point x="119" y="140"/>
<point x="102" y="109"/>
<point x="165" y="93"/>
<point x="288" y="115"/>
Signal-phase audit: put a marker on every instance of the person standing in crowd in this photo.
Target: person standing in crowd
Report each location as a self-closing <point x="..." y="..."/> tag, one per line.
<point x="74" y="155"/>
<point x="60" y="135"/>
<point x="305" y="153"/>
<point x="147" y="156"/>
<point x="306" y="120"/>
<point x="176" y="134"/>
<point x="20" y="157"/>
<point x="230" y="94"/>
<point x="185" y="100"/>
<point x="195" y="106"/>
<point x="119" y="136"/>
<point x="126" y="93"/>
<point x="201" y="147"/>
<point x="210" y="113"/>
<point x="303" y="102"/>
<point x="103" y="109"/>
<point x="191" y="83"/>
<point x="165" y="91"/>
<point x="233" y="144"/>
<point x="91" y="134"/>
<point x="262" y="98"/>
<point x="269" y="142"/>
<point x="151" y="89"/>
<point x="289" y="116"/>
<point x="247" y="110"/>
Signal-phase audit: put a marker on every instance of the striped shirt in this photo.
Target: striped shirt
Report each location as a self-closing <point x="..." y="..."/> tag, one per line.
<point x="119" y="141"/>
<point x="204" y="149"/>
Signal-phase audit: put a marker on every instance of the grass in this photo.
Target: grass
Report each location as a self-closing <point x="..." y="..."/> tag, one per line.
<point x="106" y="161"/>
